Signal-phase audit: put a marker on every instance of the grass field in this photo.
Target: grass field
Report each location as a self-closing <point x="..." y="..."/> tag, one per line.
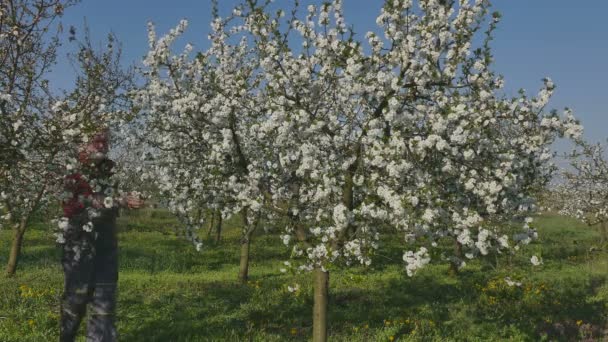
<point x="170" y="292"/>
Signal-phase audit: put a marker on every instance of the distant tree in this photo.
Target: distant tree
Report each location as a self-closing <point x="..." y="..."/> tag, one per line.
<point x="584" y="192"/>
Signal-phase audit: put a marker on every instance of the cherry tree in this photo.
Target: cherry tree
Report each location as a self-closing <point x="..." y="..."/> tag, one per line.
<point x="410" y="132"/>
<point x="200" y="133"/>
<point x="405" y="128"/>
<point x="38" y="126"/>
<point x="584" y="191"/>
<point x="28" y="137"/>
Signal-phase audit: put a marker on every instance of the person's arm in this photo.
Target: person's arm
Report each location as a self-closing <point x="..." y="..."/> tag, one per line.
<point x="131" y="200"/>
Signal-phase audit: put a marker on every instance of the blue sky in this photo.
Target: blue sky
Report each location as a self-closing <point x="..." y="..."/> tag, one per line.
<point x="563" y="39"/>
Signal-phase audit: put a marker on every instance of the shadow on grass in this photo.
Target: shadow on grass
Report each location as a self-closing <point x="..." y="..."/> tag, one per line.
<point x="155" y="254"/>
<point x="557" y="302"/>
<point x="208" y="311"/>
<point x="214" y="311"/>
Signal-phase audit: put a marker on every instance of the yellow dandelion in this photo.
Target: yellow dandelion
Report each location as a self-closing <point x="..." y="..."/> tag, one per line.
<point x="294" y="331"/>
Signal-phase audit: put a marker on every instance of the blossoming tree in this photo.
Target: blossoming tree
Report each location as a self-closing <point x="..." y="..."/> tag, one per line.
<point x="38" y="126"/>
<point x="201" y="138"/>
<point x="584" y="192"/>
<point x="28" y="136"/>
<point x="405" y="128"/>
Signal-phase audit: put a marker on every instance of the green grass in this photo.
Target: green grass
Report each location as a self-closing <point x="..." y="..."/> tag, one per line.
<point x="170" y="292"/>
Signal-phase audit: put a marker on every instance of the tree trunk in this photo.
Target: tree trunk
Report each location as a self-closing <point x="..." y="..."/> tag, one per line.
<point x="603" y="232"/>
<point x="348" y="192"/>
<point x="248" y="228"/>
<point x="211" y="223"/>
<point x="218" y="226"/>
<point x="348" y="199"/>
<point x="13" y="257"/>
<point x="319" y="314"/>
<point x="453" y="271"/>
<point x="244" y="266"/>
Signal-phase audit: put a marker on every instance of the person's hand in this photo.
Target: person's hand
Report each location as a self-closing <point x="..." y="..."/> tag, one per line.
<point x="134" y="200"/>
<point x="97" y="201"/>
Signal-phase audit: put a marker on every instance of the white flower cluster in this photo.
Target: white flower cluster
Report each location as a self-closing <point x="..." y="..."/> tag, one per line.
<point x="416" y="260"/>
<point x="536" y="261"/>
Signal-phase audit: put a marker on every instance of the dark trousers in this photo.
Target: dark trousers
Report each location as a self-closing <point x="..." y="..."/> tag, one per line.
<point x="90" y="266"/>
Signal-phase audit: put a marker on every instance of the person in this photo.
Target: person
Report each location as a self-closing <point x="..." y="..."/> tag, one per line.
<point x="90" y="246"/>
